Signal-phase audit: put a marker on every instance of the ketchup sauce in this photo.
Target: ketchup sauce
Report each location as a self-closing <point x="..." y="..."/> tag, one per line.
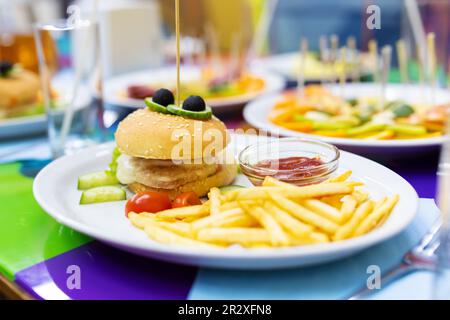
<point x="291" y="168"/>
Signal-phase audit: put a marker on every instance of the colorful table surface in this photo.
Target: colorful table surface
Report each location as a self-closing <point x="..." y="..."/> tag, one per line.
<point x="41" y="257"/>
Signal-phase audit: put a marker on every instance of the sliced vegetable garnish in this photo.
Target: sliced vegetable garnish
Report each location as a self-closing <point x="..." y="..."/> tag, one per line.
<point x="113" y="165"/>
<point x="97" y="179"/>
<point x="402" y="110"/>
<point x="197" y="115"/>
<point x="103" y="194"/>
<point x="155" y="106"/>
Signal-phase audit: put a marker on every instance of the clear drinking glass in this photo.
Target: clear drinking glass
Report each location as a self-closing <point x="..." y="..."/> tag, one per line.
<point x="71" y="83"/>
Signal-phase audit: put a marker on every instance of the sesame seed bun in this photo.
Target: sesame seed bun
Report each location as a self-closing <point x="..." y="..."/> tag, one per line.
<point x="201" y="187"/>
<point x="153" y="135"/>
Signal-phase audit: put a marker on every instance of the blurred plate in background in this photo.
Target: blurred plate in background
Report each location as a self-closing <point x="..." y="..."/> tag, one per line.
<point x="116" y="87"/>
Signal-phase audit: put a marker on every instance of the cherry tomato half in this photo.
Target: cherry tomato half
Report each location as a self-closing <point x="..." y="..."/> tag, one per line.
<point x="148" y="202"/>
<point x="186" y="199"/>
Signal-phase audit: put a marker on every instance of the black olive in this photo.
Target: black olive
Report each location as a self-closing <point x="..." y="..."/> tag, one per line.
<point x="194" y="103"/>
<point x="5" y="67"/>
<point x="163" y="97"/>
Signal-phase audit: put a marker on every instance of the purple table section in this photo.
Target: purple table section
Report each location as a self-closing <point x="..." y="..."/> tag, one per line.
<point x="420" y="173"/>
<point x="96" y="271"/>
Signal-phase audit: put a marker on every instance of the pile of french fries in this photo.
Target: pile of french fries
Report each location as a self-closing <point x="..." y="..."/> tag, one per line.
<point x="275" y="214"/>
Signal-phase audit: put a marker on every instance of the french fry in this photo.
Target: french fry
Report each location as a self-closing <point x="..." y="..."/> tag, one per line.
<point x="312" y="238"/>
<point x="360" y="196"/>
<point x="318" y="237"/>
<point x="340" y="178"/>
<point x="240" y="221"/>
<point x="312" y="191"/>
<point x="348" y="207"/>
<point x="347" y="229"/>
<point x="323" y="209"/>
<point x="334" y="201"/>
<point x="272" y="182"/>
<point x="179" y="227"/>
<point x="139" y="220"/>
<point x="214" y="198"/>
<point x="183" y="212"/>
<point x="243" y="236"/>
<point x="229" y="205"/>
<point x="287" y="221"/>
<point x="380" y="202"/>
<point x="372" y="220"/>
<point x="165" y="236"/>
<point x="217" y="220"/>
<point x="277" y="235"/>
<point x="304" y="214"/>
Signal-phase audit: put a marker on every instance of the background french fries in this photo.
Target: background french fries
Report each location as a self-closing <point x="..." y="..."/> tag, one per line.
<point x="277" y="214"/>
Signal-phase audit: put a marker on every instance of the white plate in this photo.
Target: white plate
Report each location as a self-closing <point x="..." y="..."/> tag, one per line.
<point x="116" y="86"/>
<point x="23" y="126"/>
<point x="55" y="190"/>
<point x="256" y="113"/>
<point x="284" y="64"/>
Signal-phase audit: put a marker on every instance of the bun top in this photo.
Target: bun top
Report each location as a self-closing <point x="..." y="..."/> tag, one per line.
<point x="153" y="135"/>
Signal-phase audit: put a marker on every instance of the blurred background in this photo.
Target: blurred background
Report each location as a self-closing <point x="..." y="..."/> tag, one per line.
<point x="147" y="25"/>
<point x="224" y="43"/>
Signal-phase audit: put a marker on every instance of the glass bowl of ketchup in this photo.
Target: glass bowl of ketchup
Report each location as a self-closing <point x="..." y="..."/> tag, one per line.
<point x="297" y="161"/>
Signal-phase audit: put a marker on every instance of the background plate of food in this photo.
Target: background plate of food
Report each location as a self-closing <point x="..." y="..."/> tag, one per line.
<point x="354" y="117"/>
<point x="22" y="110"/>
<point x="242" y="227"/>
<point x="288" y="64"/>
<point x="130" y="90"/>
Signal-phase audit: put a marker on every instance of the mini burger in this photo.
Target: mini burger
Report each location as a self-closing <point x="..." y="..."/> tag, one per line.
<point x="171" y="149"/>
<point x="19" y="89"/>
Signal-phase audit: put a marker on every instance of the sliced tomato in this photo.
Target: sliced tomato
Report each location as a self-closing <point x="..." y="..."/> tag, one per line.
<point x="186" y="199"/>
<point x="148" y="202"/>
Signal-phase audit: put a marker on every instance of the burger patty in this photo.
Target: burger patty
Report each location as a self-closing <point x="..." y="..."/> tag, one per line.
<point x="163" y="174"/>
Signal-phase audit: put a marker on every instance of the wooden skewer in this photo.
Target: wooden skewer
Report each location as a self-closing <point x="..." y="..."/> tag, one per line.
<point x="353" y="58"/>
<point x="386" y="56"/>
<point x="215" y="58"/>
<point x="421" y="68"/>
<point x="324" y="53"/>
<point x="402" y="57"/>
<point x="334" y="41"/>
<point x="234" y="56"/>
<point x="342" y="75"/>
<point x="431" y="63"/>
<point x="301" y="70"/>
<point x="421" y="62"/>
<point x="373" y="49"/>
<point x="178" y="58"/>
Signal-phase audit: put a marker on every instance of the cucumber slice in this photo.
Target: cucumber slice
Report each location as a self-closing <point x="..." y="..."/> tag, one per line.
<point x="365" y="128"/>
<point x="226" y="189"/>
<point x="402" y="110"/>
<point x="197" y="115"/>
<point x="103" y="194"/>
<point x="408" y="129"/>
<point x="97" y="179"/>
<point x="155" y="106"/>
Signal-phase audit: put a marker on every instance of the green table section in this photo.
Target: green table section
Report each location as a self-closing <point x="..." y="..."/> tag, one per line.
<point x="30" y="236"/>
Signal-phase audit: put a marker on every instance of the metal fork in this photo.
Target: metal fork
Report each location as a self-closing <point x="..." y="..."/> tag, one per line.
<point x="420" y="257"/>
